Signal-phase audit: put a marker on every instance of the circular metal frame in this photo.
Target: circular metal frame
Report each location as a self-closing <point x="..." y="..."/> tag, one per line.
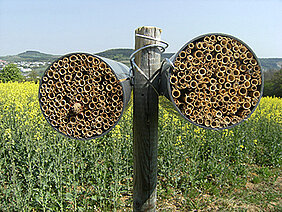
<point x="121" y="73"/>
<point x="170" y="68"/>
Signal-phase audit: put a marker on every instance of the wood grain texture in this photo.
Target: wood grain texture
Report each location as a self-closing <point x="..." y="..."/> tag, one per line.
<point x="145" y="122"/>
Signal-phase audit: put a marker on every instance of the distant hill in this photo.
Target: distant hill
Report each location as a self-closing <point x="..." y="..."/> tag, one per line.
<point x="271" y="63"/>
<point x="121" y="55"/>
<point x="116" y="54"/>
<point x="29" y="56"/>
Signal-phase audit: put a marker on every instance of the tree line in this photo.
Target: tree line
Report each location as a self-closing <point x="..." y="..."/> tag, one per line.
<point x="273" y="83"/>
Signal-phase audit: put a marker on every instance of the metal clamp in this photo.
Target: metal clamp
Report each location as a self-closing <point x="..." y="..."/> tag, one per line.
<point x="132" y="56"/>
<point x="168" y="61"/>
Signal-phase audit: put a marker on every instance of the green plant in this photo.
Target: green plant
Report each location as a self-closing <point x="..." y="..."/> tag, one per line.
<point x="230" y="170"/>
<point x="10" y="73"/>
<point x="273" y="84"/>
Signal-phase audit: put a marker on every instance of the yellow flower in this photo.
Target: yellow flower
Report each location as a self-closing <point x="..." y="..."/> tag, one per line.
<point x="179" y="142"/>
<point x="179" y="138"/>
<point x="7" y="134"/>
<point x="231" y="133"/>
<point x="197" y="130"/>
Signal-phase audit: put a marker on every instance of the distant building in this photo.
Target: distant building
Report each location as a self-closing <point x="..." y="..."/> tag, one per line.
<point x="25" y="69"/>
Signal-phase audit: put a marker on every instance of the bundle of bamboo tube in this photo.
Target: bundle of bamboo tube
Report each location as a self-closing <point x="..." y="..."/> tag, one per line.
<point x="216" y="81"/>
<point x="80" y="96"/>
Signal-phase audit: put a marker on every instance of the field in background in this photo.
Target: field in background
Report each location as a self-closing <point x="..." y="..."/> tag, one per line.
<point x="236" y="169"/>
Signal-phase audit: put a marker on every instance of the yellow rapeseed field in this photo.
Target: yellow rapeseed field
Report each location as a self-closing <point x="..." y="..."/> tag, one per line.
<point x="42" y="170"/>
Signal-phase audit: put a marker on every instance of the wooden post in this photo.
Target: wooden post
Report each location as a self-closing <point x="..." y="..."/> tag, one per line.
<point x="145" y="122"/>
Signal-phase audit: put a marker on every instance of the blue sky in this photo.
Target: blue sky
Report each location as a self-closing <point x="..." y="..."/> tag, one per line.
<point x="64" y="26"/>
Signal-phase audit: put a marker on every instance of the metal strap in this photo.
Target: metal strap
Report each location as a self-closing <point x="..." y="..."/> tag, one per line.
<point x="132" y="57"/>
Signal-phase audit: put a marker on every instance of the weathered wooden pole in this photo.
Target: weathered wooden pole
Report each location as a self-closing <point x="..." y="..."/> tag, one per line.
<point x="145" y="121"/>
